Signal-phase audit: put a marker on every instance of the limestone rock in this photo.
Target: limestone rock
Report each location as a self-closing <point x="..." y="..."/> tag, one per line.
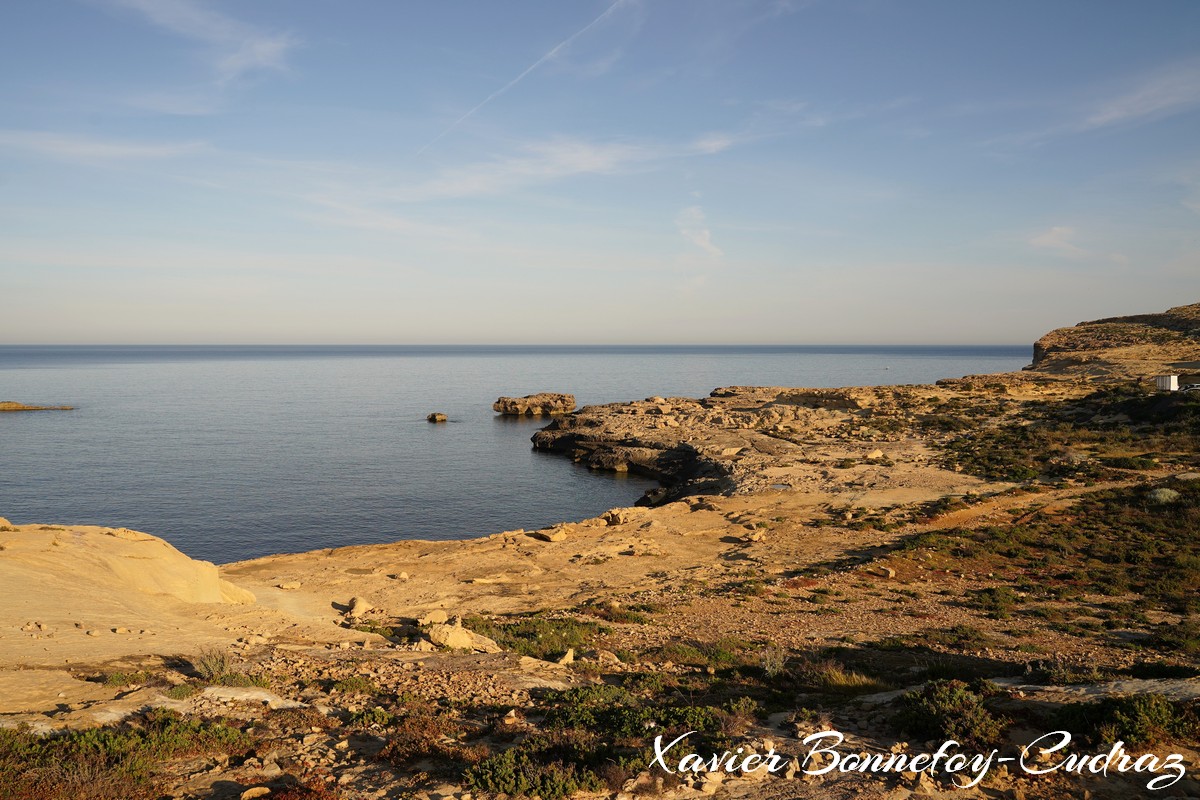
<point x="249" y="695"/>
<point x="359" y="607"/>
<point x="875" y="454"/>
<point x="712" y="782"/>
<point x="435" y="617"/>
<point x="290" y="585"/>
<point x="87" y="560"/>
<point x="551" y="535"/>
<point x="437" y="416"/>
<point x="616" y="516"/>
<point x="456" y="637"/>
<point x="567" y="657"/>
<point x="535" y="405"/>
<point x="607" y="657"/>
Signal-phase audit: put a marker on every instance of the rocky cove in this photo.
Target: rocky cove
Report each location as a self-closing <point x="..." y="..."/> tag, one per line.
<point x="980" y="558"/>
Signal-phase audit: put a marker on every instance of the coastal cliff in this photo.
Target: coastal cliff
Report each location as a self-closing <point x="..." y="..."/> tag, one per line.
<point x="1137" y="345"/>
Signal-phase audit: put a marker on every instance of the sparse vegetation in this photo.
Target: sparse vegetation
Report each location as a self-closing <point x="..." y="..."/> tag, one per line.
<point x="103" y="763"/>
<point x="211" y="663"/>
<point x="1139" y="720"/>
<point x="356" y="684"/>
<point x="536" y="635"/>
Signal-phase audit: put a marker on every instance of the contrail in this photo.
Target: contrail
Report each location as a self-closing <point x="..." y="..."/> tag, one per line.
<point x="549" y="55"/>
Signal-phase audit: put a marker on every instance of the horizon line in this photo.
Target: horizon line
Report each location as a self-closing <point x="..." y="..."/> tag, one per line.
<point x="515" y="344"/>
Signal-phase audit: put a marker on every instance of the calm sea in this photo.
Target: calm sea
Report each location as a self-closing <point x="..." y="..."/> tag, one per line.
<point x="236" y="452"/>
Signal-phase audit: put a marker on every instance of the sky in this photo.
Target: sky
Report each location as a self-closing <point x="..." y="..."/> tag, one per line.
<point x="591" y="171"/>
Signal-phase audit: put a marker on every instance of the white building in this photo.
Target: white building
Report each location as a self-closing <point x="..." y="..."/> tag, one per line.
<point x="1167" y="383"/>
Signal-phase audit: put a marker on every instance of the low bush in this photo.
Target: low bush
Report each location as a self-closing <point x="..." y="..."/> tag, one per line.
<point x="103" y="763"/>
<point x="1139" y="720"/>
<point x="952" y="709"/>
<point x="211" y="663"/>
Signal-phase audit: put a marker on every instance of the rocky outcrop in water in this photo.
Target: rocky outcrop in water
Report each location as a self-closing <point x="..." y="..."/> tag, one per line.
<point x="10" y="405"/>
<point x="535" y="405"/>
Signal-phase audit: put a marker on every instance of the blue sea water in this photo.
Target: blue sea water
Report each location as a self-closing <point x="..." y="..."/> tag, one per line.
<point x="236" y="452"/>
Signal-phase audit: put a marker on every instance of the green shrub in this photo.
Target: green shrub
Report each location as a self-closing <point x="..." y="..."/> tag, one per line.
<point x="372" y="716"/>
<point x="242" y="680"/>
<point x="1139" y="720"/>
<point x="952" y="709"/>
<point x="182" y="691"/>
<point x="537" y="635"/>
<point x="998" y="600"/>
<point x="550" y="766"/>
<point x="102" y="763"/>
<point x="356" y="684"/>
<point x="126" y="678"/>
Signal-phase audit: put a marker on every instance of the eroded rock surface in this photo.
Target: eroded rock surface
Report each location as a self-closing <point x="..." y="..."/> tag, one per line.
<point x="535" y="405"/>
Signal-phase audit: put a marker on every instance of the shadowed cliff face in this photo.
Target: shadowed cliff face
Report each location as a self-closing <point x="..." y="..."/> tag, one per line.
<point x="1136" y="345"/>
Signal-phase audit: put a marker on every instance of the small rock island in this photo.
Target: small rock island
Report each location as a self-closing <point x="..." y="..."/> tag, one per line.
<point x="10" y="405"/>
<point x="535" y="405"/>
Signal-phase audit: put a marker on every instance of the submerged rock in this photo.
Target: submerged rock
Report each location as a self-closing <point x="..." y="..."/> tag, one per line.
<point x="437" y="416"/>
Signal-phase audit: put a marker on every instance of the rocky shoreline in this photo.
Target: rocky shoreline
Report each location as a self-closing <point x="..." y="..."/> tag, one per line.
<point x="815" y="559"/>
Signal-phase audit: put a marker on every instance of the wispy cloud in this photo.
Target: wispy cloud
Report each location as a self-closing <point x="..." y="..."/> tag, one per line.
<point x="693" y="226"/>
<point x="559" y="158"/>
<point x="547" y="56"/>
<point x="1170" y="90"/>
<point x="537" y="162"/>
<point x="1062" y="240"/>
<point x="237" y="47"/>
<point x="1189" y="182"/>
<point x="1058" y="239"/>
<point x="67" y="147"/>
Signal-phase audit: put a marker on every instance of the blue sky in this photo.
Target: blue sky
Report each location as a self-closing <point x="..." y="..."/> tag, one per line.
<point x="701" y="171"/>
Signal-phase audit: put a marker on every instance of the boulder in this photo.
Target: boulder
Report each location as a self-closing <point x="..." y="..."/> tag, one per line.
<point x="435" y="617"/>
<point x="535" y="405"/>
<point x="616" y="516"/>
<point x="359" y="607"/>
<point x="437" y="416"/>
<point x="456" y="637"/>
